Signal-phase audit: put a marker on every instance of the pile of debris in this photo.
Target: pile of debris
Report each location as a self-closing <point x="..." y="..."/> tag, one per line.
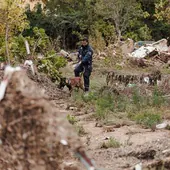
<point x="140" y="54"/>
<point x="151" y="54"/>
<point x="33" y="134"/>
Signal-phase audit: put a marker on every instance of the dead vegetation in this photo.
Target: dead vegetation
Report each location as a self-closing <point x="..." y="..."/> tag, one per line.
<point x="111" y="143"/>
<point x="114" y="77"/>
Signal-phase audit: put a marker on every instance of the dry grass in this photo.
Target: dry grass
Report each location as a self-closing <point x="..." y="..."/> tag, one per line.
<point x="111" y="143"/>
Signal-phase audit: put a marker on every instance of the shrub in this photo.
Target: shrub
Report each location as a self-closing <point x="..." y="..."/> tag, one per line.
<point x="90" y="98"/>
<point x="111" y="143"/>
<point x="104" y="105"/>
<point x="80" y="130"/>
<point x="157" y="99"/>
<point x="148" y="119"/>
<point x="121" y="103"/>
<point x="137" y="98"/>
<point x="51" y="65"/>
<point x="72" y="119"/>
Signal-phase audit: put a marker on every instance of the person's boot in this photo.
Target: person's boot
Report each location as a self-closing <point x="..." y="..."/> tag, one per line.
<point x="86" y="92"/>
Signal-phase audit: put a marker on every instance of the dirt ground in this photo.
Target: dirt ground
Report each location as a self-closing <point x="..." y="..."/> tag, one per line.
<point x="152" y="148"/>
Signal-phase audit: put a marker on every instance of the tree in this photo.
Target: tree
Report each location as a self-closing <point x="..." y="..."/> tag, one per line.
<point x="162" y="9"/>
<point x="39" y="43"/>
<point x="104" y="21"/>
<point x="120" y="13"/>
<point x="12" y="21"/>
<point x="69" y="20"/>
<point x="157" y="21"/>
<point x="66" y="16"/>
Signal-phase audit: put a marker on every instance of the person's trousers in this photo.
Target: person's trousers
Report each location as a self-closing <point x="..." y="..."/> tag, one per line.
<point x="86" y="69"/>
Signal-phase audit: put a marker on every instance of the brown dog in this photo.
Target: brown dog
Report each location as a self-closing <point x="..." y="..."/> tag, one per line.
<point x="71" y="83"/>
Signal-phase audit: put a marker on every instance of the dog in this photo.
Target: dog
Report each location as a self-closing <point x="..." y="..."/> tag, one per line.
<point x="71" y="83"/>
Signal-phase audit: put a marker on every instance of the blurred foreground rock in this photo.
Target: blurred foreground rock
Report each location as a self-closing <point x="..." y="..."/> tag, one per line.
<point x="33" y="134"/>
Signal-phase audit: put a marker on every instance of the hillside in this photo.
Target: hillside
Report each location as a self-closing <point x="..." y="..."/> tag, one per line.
<point x="114" y="115"/>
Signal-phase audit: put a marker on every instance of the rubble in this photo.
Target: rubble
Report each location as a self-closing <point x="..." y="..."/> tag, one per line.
<point x="127" y="46"/>
<point x="154" y="54"/>
<point x="161" y="45"/>
<point x="2" y="65"/>
<point x="34" y="135"/>
<point x="142" y="43"/>
<point x="29" y="63"/>
<point x="159" y="164"/>
<point x="162" y="125"/>
<point x="142" y="52"/>
<point x="69" y="56"/>
<point x="150" y="49"/>
<point x="7" y="76"/>
<point x="124" y="83"/>
<point x="52" y="92"/>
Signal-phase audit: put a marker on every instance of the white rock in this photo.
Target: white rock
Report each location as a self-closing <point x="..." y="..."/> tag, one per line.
<point x="138" y="166"/>
<point x="162" y="125"/>
<point x="64" y="142"/>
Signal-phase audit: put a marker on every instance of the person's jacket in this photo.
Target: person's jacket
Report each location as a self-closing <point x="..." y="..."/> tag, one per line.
<point x="85" y="54"/>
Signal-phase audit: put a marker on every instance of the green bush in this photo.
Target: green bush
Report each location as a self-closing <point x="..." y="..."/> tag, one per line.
<point x="90" y="98"/>
<point x="104" y="105"/>
<point x="39" y="43"/>
<point x="148" y="119"/>
<point x="157" y="99"/>
<point x="121" y="103"/>
<point x="143" y="101"/>
<point x="51" y="65"/>
<point x="137" y="98"/>
<point x="72" y="119"/>
<point x="111" y="143"/>
<point x="108" y="104"/>
<point x="2" y="59"/>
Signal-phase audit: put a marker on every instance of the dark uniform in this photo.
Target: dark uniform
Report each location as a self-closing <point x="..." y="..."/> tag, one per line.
<point x="85" y="54"/>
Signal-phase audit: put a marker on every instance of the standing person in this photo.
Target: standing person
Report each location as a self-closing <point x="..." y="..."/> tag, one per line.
<point x="85" y="54"/>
